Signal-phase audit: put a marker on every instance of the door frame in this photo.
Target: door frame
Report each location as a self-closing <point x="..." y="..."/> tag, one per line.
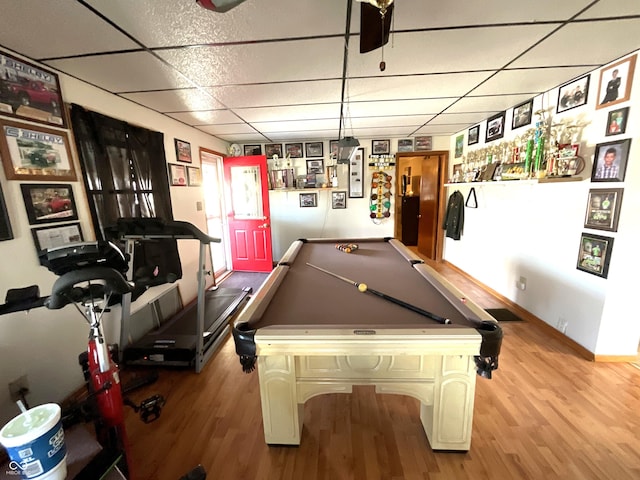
<point x="443" y="168"/>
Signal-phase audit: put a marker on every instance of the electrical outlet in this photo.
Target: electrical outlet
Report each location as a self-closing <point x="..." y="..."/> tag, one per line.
<point x="562" y="325"/>
<point x="18" y="388"/>
<point x="521" y="284"/>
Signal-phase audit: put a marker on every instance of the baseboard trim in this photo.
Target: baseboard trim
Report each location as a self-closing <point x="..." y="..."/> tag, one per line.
<point x="531" y="318"/>
<point x="617" y="358"/>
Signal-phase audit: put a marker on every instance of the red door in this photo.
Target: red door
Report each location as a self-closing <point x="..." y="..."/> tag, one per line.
<point x="248" y="213"/>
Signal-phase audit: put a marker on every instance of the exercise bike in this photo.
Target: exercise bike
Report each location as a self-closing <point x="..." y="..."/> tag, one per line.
<point x="91" y="276"/>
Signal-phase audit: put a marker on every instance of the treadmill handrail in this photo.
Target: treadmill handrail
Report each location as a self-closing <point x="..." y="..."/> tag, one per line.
<point x="150" y="228"/>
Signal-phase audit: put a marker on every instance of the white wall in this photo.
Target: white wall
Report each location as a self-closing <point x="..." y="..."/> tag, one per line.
<point x="44" y="344"/>
<point x="522" y="228"/>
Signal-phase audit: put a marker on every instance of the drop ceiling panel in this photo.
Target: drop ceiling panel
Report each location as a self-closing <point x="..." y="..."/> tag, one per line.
<point x="296" y="125"/>
<point x="398" y="107"/>
<point x="227" y="129"/>
<point x="494" y="103"/>
<point x="124" y="72"/>
<point x="206" y="117"/>
<point x="287" y="93"/>
<point x="413" y="86"/>
<point x="439" y="129"/>
<point x="299" y="112"/>
<point x="612" y="8"/>
<point x="66" y="28"/>
<point x="528" y="80"/>
<point x="461" y="118"/>
<point x="158" y="23"/>
<point x="393" y="121"/>
<point x="588" y="43"/>
<point x="265" y="62"/>
<point x="176" y="100"/>
<point x="486" y="48"/>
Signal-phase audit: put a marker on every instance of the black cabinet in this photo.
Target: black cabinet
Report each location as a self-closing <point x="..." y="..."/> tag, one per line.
<point x="410" y="216"/>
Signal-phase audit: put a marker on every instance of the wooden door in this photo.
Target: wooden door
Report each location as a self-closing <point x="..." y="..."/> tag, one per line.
<point x="248" y="213"/>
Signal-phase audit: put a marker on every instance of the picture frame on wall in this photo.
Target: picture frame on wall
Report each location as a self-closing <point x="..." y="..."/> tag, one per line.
<point x="338" y="200"/>
<point x="57" y="236"/>
<point x="380" y="147"/>
<point x="313" y="149"/>
<point x="522" y="114"/>
<point x="573" y="94"/>
<point x="615" y="82"/>
<point x="183" y="150"/>
<point x="315" y="166"/>
<point x="252" y="150"/>
<point x="293" y="150"/>
<point x="459" y="146"/>
<point x="34" y="152"/>
<point x="177" y="175"/>
<point x="594" y="254"/>
<point x="29" y="92"/>
<point x="473" y="135"/>
<point x="6" y="232"/>
<point x="423" y="143"/>
<point x="308" y="200"/>
<point x="495" y="127"/>
<point x="49" y="202"/>
<point x="603" y="209"/>
<point x="356" y="174"/>
<point x="617" y="121"/>
<point x="334" y="148"/>
<point x="610" y="161"/>
<point x="194" y="176"/>
<point x="271" y="149"/>
<point x="405" y="145"/>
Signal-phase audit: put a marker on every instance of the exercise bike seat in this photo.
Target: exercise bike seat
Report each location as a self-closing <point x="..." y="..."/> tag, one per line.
<point x="65" y="291"/>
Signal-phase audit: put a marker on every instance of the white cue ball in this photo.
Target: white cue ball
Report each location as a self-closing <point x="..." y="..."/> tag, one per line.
<point x="362" y="287"/>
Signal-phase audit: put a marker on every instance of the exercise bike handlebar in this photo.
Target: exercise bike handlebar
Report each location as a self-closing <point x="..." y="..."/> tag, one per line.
<point x="64" y="289"/>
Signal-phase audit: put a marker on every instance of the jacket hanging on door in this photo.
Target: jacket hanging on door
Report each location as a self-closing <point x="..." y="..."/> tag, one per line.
<point x="454" y="216"/>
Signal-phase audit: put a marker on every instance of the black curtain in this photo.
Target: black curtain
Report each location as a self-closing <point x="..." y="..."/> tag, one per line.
<point x="125" y="175"/>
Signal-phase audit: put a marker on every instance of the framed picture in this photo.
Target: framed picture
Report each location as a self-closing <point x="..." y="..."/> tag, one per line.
<point x="194" y="176"/>
<point x="380" y="147"/>
<point x="293" y="150"/>
<point x="603" y="209"/>
<point x="473" y="136"/>
<point x="405" y="145"/>
<point x="313" y="149"/>
<point x="309" y="199"/>
<point x="56" y="236"/>
<point x="610" y="161"/>
<point x="338" y="199"/>
<point x="423" y="143"/>
<point x="617" y="121"/>
<point x="6" y="233"/>
<point x="595" y="254"/>
<point x="271" y="149"/>
<point x="522" y="114"/>
<point x="252" y="150"/>
<point x="183" y="151"/>
<point x="356" y="173"/>
<point x="315" y="166"/>
<point x="573" y="94"/>
<point x="615" y="82"/>
<point x="49" y="202"/>
<point x="31" y="152"/>
<point x="459" y="145"/>
<point x="495" y="127"/>
<point x="334" y="148"/>
<point x="30" y="92"/>
<point x="177" y="175"/>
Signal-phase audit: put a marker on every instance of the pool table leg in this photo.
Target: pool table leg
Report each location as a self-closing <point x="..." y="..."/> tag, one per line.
<point x="282" y="415"/>
<point x="448" y="421"/>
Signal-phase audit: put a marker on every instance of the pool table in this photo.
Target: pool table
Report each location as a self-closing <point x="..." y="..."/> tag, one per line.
<point x="311" y="333"/>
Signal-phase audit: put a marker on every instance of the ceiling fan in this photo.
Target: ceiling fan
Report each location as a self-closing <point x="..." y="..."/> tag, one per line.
<point x="375" y="23"/>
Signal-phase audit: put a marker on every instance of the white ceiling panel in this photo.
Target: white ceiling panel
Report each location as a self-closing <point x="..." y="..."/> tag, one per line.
<point x="612" y="8"/>
<point x="398" y="107"/>
<point x="64" y="28"/>
<point x="273" y="94"/>
<point x="301" y="112"/>
<point x="393" y="121"/>
<point x="528" y="80"/>
<point x="265" y="62"/>
<point x="297" y="125"/>
<point x="487" y="104"/>
<point x="123" y="72"/>
<point x="567" y="47"/>
<point x="439" y="129"/>
<point x="460" y="118"/>
<point x="206" y="117"/>
<point x="176" y="100"/>
<point x="228" y="129"/>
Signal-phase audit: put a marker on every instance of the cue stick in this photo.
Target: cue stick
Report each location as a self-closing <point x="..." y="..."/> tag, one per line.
<point x="362" y="287"/>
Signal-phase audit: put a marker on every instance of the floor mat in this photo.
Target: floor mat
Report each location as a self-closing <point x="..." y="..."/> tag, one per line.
<point x="503" y="315"/>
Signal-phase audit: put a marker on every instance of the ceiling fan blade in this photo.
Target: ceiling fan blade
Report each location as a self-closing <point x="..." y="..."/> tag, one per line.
<point x="372" y="34"/>
<point x="220" y="6"/>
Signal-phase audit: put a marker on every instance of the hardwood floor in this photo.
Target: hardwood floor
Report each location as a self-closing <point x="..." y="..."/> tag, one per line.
<point x="546" y="414"/>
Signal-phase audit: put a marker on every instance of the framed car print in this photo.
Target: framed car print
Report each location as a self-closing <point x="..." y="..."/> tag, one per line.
<point x="49" y="203"/>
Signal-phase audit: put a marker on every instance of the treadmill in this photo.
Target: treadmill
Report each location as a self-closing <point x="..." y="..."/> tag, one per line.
<point x="191" y="336"/>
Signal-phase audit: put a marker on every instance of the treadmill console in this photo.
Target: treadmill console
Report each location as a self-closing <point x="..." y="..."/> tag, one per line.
<point x="61" y="260"/>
